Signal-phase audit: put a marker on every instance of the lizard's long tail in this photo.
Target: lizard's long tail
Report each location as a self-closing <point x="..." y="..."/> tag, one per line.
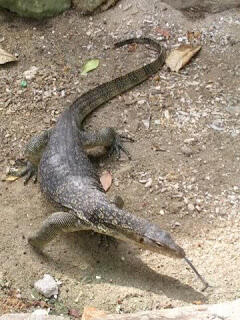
<point x="95" y="97"/>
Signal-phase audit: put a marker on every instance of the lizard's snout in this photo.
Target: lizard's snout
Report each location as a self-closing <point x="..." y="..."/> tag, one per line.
<point x="161" y="241"/>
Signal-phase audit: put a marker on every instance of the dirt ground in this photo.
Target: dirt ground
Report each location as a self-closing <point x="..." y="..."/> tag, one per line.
<point x="184" y="173"/>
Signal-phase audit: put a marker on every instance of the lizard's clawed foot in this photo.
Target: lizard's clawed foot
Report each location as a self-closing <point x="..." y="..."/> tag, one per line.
<point x="35" y="246"/>
<point x="118" y="201"/>
<point x="32" y="240"/>
<point x="24" y="168"/>
<point x="106" y="242"/>
<point x="125" y="138"/>
<point x="117" y="146"/>
<point x="30" y="172"/>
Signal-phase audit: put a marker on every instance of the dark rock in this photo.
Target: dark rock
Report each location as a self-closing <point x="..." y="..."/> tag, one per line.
<point x="36" y="9"/>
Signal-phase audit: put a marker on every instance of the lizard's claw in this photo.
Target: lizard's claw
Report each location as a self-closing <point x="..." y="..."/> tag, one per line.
<point x="30" y="172"/>
<point x="117" y="146"/>
<point x="126" y="138"/>
<point x="106" y="242"/>
<point x="24" y="168"/>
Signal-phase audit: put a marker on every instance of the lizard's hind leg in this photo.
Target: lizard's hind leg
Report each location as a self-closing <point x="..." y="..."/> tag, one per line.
<point x="56" y="223"/>
<point x="106" y="137"/>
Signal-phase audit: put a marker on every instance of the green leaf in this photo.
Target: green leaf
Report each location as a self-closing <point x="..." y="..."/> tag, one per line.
<point x="89" y="66"/>
<point x="24" y="84"/>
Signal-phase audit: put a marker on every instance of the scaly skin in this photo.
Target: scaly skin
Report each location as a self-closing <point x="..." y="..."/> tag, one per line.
<point x="67" y="176"/>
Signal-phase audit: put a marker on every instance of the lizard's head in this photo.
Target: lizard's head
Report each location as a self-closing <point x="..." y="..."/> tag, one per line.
<point x="147" y="235"/>
<point x="160" y="241"/>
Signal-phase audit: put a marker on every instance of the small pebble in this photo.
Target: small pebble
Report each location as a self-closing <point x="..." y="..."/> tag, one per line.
<point x="191" y="207"/>
<point x="47" y="286"/>
<point x="148" y="184"/>
<point x="187" y="151"/>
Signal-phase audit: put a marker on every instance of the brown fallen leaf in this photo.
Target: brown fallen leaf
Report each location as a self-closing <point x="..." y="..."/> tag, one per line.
<point x="197" y="302"/>
<point x="90" y="313"/>
<point x="10" y="178"/>
<point x="132" y="47"/>
<point x="179" y="57"/>
<point x="194" y="36"/>
<point x="6" y="57"/>
<point x="163" y="32"/>
<point x="106" y="180"/>
<point x="74" y="313"/>
<point x="11" y="301"/>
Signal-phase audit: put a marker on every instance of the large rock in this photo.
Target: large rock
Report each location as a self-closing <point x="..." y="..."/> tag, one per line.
<point x="88" y="6"/>
<point x="36" y="8"/>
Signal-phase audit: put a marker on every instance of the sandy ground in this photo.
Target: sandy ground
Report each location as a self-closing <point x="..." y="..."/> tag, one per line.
<point x="191" y="153"/>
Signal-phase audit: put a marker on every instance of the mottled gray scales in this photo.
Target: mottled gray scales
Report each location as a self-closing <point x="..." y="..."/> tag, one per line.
<point x="67" y="176"/>
<point x="103" y="137"/>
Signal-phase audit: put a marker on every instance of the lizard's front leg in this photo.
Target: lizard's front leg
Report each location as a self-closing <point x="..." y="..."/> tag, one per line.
<point x="33" y="153"/>
<point x="56" y="223"/>
<point x="106" y="137"/>
<point x="60" y="222"/>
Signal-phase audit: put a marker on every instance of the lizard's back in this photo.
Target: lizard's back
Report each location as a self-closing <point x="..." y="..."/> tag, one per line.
<point x="66" y="174"/>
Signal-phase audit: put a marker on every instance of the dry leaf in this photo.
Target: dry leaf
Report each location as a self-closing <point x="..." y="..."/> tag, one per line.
<point x="194" y="35"/>
<point x="10" y="178"/>
<point x="106" y="180"/>
<point x="74" y="313"/>
<point x="179" y="57"/>
<point x="163" y="32"/>
<point x="6" y="57"/>
<point x="197" y="302"/>
<point x="90" y="313"/>
<point x="132" y="47"/>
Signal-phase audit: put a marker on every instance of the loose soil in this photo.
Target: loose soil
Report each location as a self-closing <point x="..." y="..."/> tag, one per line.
<point x="191" y="153"/>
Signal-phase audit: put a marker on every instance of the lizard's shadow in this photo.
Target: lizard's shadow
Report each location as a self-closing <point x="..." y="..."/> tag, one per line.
<point x="117" y="264"/>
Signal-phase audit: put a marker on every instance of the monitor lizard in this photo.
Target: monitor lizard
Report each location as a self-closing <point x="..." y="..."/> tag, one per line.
<point x="67" y="176"/>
